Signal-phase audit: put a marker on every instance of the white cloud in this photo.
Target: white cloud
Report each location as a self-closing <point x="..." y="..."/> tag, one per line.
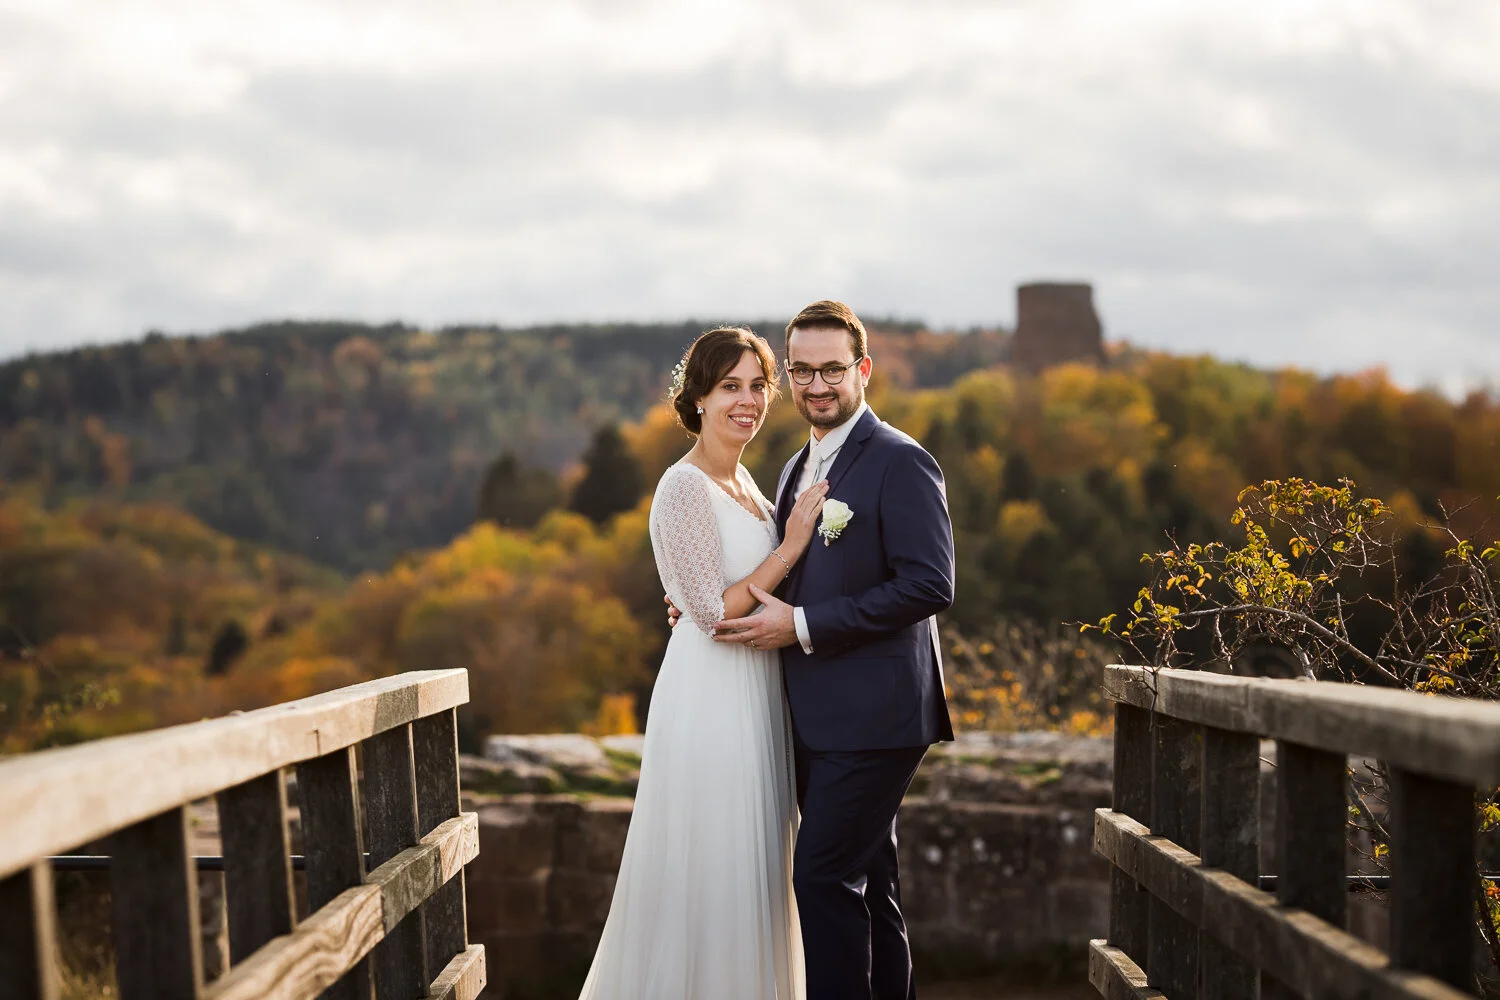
<point x="1288" y="182"/>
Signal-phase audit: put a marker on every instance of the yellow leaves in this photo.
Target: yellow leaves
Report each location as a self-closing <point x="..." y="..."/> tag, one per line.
<point x="1489" y="819"/>
<point x="1083" y="413"/>
<point x="1019" y="521"/>
<point x="615" y="717"/>
<point x="1024" y="677"/>
<point x="1088" y="723"/>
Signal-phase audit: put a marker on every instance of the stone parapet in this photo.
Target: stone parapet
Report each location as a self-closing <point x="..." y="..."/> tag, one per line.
<point x="999" y="873"/>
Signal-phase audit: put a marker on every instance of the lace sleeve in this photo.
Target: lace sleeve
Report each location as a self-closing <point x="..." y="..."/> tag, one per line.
<point x="685" y="541"/>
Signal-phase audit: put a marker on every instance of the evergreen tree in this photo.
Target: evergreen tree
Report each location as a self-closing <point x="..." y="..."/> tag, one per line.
<point x="612" y="480"/>
<point x="514" y="496"/>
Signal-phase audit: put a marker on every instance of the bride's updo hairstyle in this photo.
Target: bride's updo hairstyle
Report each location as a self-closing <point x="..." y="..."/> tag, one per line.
<point x="711" y="357"/>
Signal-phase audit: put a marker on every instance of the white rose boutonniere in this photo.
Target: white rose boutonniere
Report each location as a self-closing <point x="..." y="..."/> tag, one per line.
<point x="836" y="517"/>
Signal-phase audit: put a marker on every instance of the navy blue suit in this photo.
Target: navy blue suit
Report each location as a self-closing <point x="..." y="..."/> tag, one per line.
<point x="866" y="703"/>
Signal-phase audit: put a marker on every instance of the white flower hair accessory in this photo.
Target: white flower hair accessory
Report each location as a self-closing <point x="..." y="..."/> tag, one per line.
<point x="836" y="517"/>
<point x="679" y="377"/>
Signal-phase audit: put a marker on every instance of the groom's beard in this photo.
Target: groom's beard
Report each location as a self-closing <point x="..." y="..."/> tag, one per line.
<point x="832" y="417"/>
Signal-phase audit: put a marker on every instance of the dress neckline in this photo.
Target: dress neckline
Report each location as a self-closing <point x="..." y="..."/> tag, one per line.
<point x="761" y="517"/>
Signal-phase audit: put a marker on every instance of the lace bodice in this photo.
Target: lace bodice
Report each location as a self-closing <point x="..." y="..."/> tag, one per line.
<point x="704" y="540"/>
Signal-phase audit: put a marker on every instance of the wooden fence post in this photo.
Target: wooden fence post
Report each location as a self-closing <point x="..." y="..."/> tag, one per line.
<point x="1176" y="761"/>
<point x="1433" y="880"/>
<point x="258" y="897"/>
<point x="28" y="933"/>
<point x="1129" y="919"/>
<point x="1312" y="818"/>
<point x="1231" y="841"/>
<point x="154" y="903"/>
<point x="328" y="788"/>
<point x="435" y="744"/>
<point x="391" y="808"/>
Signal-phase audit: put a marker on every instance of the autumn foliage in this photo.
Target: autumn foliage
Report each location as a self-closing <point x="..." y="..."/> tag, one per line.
<point x="120" y="612"/>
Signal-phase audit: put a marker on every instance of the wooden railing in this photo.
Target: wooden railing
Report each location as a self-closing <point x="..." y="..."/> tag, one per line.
<point x="134" y="790"/>
<point x="1186" y="916"/>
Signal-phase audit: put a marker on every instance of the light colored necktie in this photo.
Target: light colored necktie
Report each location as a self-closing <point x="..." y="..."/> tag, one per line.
<point x="817" y="470"/>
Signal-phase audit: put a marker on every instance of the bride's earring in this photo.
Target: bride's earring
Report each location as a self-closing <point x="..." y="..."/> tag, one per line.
<point x="700" y="409"/>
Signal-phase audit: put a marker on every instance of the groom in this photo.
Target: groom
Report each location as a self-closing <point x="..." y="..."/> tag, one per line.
<point x="861" y="657"/>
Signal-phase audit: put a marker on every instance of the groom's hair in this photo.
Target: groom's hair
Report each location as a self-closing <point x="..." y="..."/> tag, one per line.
<point x="827" y="314"/>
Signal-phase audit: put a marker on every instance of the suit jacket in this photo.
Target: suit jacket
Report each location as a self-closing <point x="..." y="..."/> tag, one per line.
<point x="875" y="678"/>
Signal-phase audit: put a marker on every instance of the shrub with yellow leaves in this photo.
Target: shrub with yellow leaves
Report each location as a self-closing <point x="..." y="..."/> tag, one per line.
<point x="1019" y="675"/>
<point x="1336" y="583"/>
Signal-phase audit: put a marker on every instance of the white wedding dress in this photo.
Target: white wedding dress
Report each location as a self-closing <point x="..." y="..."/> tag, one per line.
<point x="703" y="908"/>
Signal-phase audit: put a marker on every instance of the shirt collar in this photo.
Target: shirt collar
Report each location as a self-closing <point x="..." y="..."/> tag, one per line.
<point x="834" y="439"/>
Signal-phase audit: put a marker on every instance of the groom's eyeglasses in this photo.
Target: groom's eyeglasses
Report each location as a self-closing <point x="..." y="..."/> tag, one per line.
<point x="832" y="374"/>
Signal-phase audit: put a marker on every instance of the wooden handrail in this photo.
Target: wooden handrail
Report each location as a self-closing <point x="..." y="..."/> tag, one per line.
<point x="54" y="800"/>
<point x="135" y="790"/>
<point x="1308" y="951"/>
<point x="333" y="940"/>
<point x="1453" y="738"/>
<point x="1187" y="917"/>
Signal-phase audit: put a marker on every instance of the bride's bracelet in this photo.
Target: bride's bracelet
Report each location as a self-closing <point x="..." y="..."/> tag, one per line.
<point x="788" y="565"/>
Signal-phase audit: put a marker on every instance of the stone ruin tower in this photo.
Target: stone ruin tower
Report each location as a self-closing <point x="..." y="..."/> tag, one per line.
<point x="1056" y="323"/>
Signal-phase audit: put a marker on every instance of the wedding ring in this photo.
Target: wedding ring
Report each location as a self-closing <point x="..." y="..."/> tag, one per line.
<point x="752" y="643"/>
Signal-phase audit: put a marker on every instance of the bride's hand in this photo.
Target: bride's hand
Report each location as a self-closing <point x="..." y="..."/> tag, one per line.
<point x="804" y="517"/>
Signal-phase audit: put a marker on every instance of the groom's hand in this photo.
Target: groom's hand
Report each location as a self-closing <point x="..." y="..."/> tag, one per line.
<point x="770" y="628"/>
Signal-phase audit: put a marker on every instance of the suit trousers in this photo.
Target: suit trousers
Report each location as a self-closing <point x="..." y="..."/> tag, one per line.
<point x="845" y="872"/>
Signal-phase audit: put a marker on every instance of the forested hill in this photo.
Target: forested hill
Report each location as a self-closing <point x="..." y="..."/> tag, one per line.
<point x="349" y="443"/>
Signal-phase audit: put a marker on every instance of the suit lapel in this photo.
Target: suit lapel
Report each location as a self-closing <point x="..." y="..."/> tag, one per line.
<point x="787" y="487"/>
<point x="851" y="449"/>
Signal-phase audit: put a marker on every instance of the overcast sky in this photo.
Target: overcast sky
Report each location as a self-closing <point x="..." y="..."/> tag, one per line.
<point x="1286" y="181"/>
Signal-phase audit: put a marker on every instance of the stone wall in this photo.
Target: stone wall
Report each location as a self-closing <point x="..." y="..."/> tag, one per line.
<point x="999" y="873"/>
<point x="540" y="889"/>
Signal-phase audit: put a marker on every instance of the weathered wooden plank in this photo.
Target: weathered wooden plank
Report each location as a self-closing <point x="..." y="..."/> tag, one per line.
<point x="328" y="790"/>
<point x="1433" y="881"/>
<point x="435" y="746"/>
<point x="258" y="892"/>
<point x="1129" y="904"/>
<point x="1312" y="829"/>
<point x="1209" y="699"/>
<point x="1315" y="958"/>
<point x="1176" y="767"/>
<point x="313" y="957"/>
<point x="116" y="782"/>
<point x="1311" y="840"/>
<point x="464" y="977"/>
<point x="1230" y="841"/>
<point x="1456" y="739"/>
<point x="28" y="934"/>
<point x="1116" y="977"/>
<point x="416" y="874"/>
<point x="391" y="812"/>
<point x="337" y="936"/>
<point x="154" y="907"/>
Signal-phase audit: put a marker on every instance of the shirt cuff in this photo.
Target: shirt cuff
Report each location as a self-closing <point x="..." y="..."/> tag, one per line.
<point x="799" y="619"/>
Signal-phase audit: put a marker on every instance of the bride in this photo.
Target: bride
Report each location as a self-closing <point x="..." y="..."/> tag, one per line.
<point x="703" y="907"/>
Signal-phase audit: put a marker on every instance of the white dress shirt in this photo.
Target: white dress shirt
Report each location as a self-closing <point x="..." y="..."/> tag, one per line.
<point x="820" y="459"/>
